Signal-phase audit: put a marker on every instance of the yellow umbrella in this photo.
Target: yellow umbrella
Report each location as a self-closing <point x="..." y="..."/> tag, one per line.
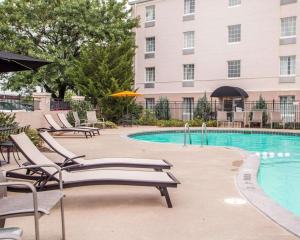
<point x="126" y="94"/>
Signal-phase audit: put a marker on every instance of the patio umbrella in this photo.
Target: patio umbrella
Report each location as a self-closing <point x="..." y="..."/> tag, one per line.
<point x="126" y="94"/>
<point x="10" y="62"/>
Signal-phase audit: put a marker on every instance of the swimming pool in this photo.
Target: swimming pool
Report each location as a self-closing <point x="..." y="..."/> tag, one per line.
<point x="279" y="172"/>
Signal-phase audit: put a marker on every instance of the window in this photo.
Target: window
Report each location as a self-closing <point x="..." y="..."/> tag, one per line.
<point x="150" y="75"/>
<point x="287" y="108"/>
<point x="233" y="3"/>
<point x="287" y="65"/>
<point x="234" y="69"/>
<point x="150" y="13"/>
<point x="189" y="40"/>
<point x="234" y="33"/>
<point x="188" y="72"/>
<point x="189" y="7"/>
<point x="150" y="45"/>
<point x="150" y="103"/>
<point x="188" y="108"/>
<point x="288" y="27"/>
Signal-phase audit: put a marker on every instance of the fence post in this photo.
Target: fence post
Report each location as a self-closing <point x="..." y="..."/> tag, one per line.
<point x="273" y="105"/>
<point x="44" y="101"/>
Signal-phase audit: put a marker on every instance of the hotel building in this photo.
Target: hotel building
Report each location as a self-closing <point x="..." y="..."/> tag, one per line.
<point x="188" y="47"/>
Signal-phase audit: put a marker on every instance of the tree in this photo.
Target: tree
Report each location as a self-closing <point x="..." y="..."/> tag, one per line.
<point x="58" y="30"/>
<point x="162" y="109"/>
<point x="261" y="105"/>
<point x="203" y="109"/>
<point x="103" y="70"/>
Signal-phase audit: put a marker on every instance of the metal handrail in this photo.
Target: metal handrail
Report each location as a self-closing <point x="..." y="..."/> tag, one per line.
<point x="187" y="131"/>
<point x="204" y="134"/>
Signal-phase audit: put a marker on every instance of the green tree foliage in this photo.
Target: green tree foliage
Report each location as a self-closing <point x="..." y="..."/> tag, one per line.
<point x="261" y="105"/>
<point x="57" y="31"/>
<point x="162" y="109"/>
<point x="103" y="70"/>
<point x="203" y="109"/>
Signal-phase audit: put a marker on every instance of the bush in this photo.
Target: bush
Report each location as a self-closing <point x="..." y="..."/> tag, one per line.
<point x="80" y="107"/>
<point x="196" y="122"/>
<point x="261" y="105"/>
<point x="148" y="119"/>
<point x="211" y="123"/>
<point x="170" y="123"/>
<point x="162" y="109"/>
<point x="34" y="137"/>
<point x="203" y="109"/>
<point x="8" y="120"/>
<point x="108" y="124"/>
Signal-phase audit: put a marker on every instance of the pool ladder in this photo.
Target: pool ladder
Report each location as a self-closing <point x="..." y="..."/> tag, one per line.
<point x="187" y="131"/>
<point x="204" y="138"/>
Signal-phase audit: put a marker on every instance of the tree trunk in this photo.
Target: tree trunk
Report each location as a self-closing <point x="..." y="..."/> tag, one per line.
<point x="61" y="91"/>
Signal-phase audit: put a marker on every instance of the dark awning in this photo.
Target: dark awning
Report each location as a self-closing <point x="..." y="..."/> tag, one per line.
<point x="228" y="91"/>
<point x="10" y="62"/>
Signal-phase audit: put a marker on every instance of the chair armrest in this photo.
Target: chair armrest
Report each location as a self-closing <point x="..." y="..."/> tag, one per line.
<point x="44" y="165"/>
<point x="31" y="188"/>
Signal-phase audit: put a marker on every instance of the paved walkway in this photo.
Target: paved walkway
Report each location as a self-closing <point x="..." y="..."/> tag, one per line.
<point x="139" y="213"/>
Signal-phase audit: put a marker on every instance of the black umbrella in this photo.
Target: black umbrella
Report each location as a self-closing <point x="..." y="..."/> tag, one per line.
<point x="10" y="62"/>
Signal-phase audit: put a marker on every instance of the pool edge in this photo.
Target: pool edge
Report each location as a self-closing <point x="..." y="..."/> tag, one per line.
<point x="248" y="186"/>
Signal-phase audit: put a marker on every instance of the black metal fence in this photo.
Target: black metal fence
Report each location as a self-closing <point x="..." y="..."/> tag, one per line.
<point x="58" y="104"/>
<point x="17" y="103"/>
<point x="290" y="111"/>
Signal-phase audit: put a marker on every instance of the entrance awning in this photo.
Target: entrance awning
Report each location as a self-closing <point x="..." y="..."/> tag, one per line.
<point x="227" y="91"/>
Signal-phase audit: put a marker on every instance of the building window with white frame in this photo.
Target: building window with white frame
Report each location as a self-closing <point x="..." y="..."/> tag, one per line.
<point x="150" y="13"/>
<point x="150" y="103"/>
<point x="287" y="66"/>
<point x="188" y="72"/>
<point x="288" y="27"/>
<point x="150" y="45"/>
<point x="150" y="75"/>
<point x="189" y="40"/>
<point x="234" y="68"/>
<point x="189" y="7"/>
<point x="234" y="3"/>
<point x="234" y="33"/>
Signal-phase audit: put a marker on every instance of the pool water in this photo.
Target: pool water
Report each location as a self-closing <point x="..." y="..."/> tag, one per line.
<point x="279" y="173"/>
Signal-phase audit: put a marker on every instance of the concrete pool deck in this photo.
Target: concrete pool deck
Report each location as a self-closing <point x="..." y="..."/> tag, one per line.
<point x="207" y="177"/>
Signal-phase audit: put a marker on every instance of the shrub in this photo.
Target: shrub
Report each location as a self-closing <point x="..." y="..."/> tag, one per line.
<point x="162" y="109"/>
<point x="170" y="123"/>
<point x="261" y="105"/>
<point x="195" y="122"/>
<point x="80" y="107"/>
<point x="7" y="120"/>
<point x="148" y="119"/>
<point x="211" y="123"/>
<point x="34" y="137"/>
<point x="108" y="124"/>
<point x="203" y="109"/>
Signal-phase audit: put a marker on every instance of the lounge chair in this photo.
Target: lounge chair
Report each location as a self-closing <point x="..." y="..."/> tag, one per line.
<point x="275" y="117"/>
<point x="238" y="117"/>
<point x="35" y="204"/>
<point x="222" y="117"/>
<point x="78" y="121"/>
<point x="54" y="127"/>
<point x="12" y="233"/>
<point x="92" y="119"/>
<point x="67" y="124"/>
<point x="257" y="117"/>
<point x="73" y="159"/>
<point x="48" y="179"/>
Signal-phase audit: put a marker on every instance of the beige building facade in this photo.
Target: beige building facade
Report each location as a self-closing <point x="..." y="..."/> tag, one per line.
<point x="188" y="47"/>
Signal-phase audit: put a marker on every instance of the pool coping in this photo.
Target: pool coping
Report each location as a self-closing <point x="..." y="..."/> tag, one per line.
<point x="246" y="179"/>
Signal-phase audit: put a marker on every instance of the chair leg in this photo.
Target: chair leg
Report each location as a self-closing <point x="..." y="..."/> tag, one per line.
<point x="63" y="229"/>
<point x="167" y="197"/>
